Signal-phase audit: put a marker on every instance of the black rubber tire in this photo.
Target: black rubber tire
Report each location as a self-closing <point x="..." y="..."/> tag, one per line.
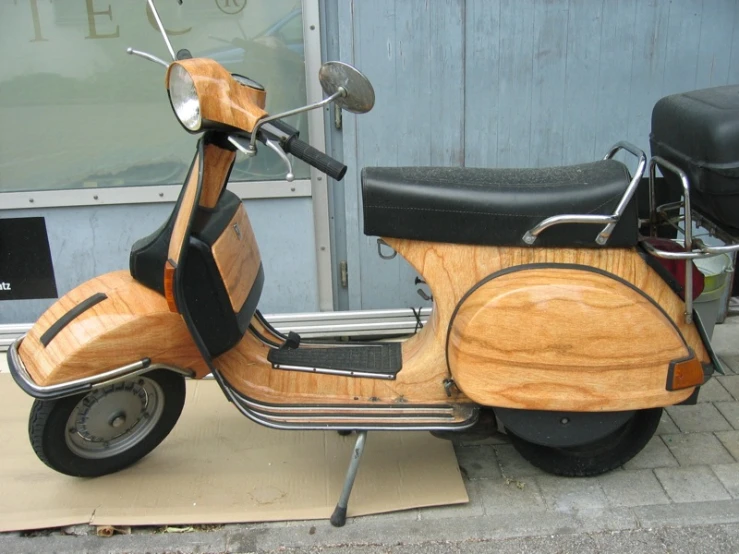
<point x="597" y="457"/>
<point x="47" y="428"/>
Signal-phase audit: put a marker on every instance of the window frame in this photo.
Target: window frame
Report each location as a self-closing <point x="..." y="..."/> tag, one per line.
<point x="246" y="190"/>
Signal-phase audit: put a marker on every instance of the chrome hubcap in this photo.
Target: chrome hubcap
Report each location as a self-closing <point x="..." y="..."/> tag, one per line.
<point x="111" y="420"/>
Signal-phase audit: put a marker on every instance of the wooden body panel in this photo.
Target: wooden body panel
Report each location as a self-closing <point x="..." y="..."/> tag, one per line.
<point x="184" y="214"/>
<point x="133" y="323"/>
<point x="246" y="368"/>
<point x="451" y="271"/>
<point x="563" y="339"/>
<point x="222" y="99"/>
<point x="237" y="256"/>
<point x="217" y="166"/>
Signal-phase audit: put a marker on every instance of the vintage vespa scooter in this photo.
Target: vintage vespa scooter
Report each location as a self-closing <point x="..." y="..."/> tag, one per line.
<point x="549" y="307"/>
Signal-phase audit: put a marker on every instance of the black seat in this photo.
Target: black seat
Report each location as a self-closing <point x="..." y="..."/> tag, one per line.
<point x="496" y="206"/>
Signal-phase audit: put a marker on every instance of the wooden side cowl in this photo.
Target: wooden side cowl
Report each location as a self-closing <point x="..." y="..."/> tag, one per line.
<point x="562" y="338"/>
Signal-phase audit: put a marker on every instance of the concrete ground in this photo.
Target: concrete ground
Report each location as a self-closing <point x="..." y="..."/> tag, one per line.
<point x="681" y="494"/>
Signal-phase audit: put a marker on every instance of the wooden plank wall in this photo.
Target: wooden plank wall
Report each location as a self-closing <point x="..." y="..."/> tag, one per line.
<point x="511" y="83"/>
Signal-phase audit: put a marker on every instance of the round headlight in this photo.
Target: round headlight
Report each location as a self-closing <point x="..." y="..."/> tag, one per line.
<point x="184" y="98"/>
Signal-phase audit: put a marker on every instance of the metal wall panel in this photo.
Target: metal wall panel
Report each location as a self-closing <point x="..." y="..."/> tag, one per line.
<point x="507" y="83"/>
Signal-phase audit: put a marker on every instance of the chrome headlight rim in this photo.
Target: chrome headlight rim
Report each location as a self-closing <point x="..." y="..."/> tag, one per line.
<point x="183" y="97"/>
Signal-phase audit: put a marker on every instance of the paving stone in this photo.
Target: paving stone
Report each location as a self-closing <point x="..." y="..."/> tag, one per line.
<point x="655" y="454"/>
<point x="694" y="484"/>
<point x="728" y="474"/>
<point x="478" y="462"/>
<point x="730" y="383"/>
<point x="713" y="391"/>
<point x="666" y="425"/>
<point x="512" y="464"/>
<point x="572" y="495"/>
<point x="697" y="449"/>
<point x="730" y="410"/>
<point x="700" y="418"/>
<point x="730" y="440"/>
<point x="632" y="488"/>
<point x="473" y="508"/>
<point x="510" y="496"/>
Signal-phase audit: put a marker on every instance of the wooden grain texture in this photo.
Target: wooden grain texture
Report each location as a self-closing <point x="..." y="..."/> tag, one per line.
<point x="419" y="382"/>
<point x="133" y="323"/>
<point x="450" y="270"/>
<point x="237" y="256"/>
<point x="216" y="167"/>
<point x="189" y="202"/>
<point x="563" y="339"/>
<point x="222" y="99"/>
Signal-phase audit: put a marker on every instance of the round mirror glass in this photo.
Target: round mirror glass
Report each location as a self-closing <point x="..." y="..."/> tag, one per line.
<point x="359" y="97"/>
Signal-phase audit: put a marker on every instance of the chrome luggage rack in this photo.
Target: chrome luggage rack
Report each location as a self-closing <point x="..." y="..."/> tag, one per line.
<point x="681" y="216"/>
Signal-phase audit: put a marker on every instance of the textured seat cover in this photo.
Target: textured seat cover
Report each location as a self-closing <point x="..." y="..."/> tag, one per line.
<point x="496" y="206"/>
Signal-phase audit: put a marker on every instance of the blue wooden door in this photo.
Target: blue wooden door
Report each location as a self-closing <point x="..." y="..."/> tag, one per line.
<point x="510" y="83"/>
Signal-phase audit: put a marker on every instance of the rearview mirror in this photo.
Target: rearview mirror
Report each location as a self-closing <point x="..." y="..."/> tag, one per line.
<point x="358" y="97"/>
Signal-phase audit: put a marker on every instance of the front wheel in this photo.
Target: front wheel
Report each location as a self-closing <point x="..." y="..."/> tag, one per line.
<point x="600" y="456"/>
<point x="107" y="429"/>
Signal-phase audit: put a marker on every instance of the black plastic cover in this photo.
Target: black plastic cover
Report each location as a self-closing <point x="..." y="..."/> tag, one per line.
<point x="149" y="254"/>
<point x="496" y="206"/>
<point x="698" y="131"/>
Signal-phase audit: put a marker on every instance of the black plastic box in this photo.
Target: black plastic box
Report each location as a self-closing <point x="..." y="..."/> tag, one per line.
<point x="698" y="131"/>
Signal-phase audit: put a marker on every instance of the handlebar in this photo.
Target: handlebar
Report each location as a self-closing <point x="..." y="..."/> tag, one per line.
<point x="322" y="162"/>
<point x="287" y="136"/>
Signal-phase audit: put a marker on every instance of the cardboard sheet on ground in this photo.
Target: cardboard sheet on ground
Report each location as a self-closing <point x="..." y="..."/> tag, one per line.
<point x="218" y="467"/>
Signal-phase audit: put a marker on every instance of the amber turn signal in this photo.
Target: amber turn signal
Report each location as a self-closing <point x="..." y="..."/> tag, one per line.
<point x="169" y="268"/>
<point x="685" y="373"/>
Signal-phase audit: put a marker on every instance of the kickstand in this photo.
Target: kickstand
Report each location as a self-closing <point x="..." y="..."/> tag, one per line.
<point x="338" y="518"/>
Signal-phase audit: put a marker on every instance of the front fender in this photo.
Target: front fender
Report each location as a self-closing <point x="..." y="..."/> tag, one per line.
<point x="103" y="324"/>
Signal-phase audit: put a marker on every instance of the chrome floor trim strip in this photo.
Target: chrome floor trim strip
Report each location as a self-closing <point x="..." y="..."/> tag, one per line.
<point x="342" y="372"/>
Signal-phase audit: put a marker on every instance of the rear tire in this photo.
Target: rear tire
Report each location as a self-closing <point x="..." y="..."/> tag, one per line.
<point x="597" y="457"/>
<point x="107" y="429"/>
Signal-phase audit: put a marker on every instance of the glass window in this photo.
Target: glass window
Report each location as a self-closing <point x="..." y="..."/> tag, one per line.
<point x="77" y="111"/>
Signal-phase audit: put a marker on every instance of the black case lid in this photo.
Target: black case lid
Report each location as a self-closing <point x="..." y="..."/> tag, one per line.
<point x="701" y="126"/>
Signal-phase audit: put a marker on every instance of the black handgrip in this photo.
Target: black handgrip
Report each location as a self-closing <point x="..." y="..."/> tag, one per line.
<point x="316" y="158"/>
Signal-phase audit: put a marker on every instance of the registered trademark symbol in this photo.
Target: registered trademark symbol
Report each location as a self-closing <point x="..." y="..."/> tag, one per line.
<point x="231" y="7"/>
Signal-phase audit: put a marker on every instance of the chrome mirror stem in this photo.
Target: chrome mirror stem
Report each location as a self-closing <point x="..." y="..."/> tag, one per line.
<point x="252" y="150"/>
<point x="161" y="29"/>
<point x="147" y="56"/>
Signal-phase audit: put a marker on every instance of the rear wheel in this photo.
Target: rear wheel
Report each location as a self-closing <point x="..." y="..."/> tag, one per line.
<point x="596" y="457"/>
<point x="109" y="428"/>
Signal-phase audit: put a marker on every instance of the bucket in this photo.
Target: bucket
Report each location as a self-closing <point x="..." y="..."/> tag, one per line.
<point x="716" y="271"/>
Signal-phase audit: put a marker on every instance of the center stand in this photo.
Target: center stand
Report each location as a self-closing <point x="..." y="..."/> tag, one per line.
<point x="338" y="518"/>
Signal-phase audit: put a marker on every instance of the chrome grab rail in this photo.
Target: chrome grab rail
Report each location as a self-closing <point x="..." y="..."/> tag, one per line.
<point x="694" y="248"/>
<point x="610" y="221"/>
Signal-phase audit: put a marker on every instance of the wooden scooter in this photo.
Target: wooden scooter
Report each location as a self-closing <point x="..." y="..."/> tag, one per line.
<point x="549" y="307"/>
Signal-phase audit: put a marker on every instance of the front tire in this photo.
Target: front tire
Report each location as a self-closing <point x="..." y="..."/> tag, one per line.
<point x="597" y="457"/>
<point x="107" y="429"/>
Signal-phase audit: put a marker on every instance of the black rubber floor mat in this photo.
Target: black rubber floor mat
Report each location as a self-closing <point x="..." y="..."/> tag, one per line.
<point x="376" y="358"/>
